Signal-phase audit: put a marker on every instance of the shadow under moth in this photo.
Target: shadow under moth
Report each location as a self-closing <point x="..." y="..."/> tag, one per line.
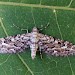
<point x="36" y="41"/>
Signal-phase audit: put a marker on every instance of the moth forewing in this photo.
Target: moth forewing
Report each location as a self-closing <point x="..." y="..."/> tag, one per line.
<point x="13" y="44"/>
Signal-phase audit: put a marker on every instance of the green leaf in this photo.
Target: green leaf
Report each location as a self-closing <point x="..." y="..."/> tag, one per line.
<point x="54" y="17"/>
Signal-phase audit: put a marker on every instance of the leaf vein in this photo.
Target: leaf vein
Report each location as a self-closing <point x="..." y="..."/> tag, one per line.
<point x="25" y="64"/>
<point x="3" y="27"/>
<point x="5" y="60"/>
<point x="56" y="18"/>
<point x="37" y="6"/>
<point x="70" y="3"/>
<point x="70" y="65"/>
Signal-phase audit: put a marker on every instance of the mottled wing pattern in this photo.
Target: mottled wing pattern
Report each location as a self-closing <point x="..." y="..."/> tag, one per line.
<point x="14" y="44"/>
<point x="56" y="47"/>
<point x="45" y="38"/>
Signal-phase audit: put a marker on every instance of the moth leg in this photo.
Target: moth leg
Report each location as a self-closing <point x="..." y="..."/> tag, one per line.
<point x="40" y="52"/>
<point x="25" y="30"/>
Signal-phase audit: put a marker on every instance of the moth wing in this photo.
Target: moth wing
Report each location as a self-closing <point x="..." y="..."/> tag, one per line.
<point x="45" y="39"/>
<point x="46" y="43"/>
<point x="57" y="47"/>
<point x="14" y="44"/>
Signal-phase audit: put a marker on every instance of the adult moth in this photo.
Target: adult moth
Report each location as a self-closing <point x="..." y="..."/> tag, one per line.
<point x="36" y="41"/>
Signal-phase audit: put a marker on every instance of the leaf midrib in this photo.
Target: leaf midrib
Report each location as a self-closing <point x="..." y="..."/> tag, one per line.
<point x="37" y="6"/>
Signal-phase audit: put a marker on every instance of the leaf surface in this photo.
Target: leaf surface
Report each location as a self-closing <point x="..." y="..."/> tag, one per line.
<point x="52" y="17"/>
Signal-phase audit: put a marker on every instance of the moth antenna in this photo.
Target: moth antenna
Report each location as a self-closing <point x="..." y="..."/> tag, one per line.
<point x="46" y="25"/>
<point x="33" y="16"/>
<point x="42" y="27"/>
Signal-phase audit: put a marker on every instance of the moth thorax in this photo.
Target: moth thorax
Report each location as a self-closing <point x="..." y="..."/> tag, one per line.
<point x="34" y="34"/>
<point x="35" y="29"/>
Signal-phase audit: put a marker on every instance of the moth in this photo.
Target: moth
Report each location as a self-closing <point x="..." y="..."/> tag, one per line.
<point x="36" y="42"/>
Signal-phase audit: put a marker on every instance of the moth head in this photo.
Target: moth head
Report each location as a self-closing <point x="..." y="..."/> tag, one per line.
<point x="35" y="29"/>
